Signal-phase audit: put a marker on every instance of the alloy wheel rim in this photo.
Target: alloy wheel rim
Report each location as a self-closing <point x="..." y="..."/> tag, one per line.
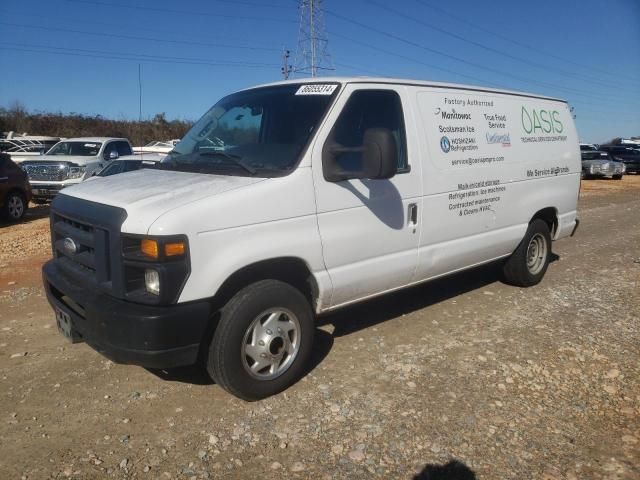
<point x="16" y="207"/>
<point x="271" y="344"/>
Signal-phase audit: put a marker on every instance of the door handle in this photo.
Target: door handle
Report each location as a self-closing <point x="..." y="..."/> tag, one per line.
<point x="413" y="214"/>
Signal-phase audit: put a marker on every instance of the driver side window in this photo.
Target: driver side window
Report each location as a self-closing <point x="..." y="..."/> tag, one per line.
<point x="364" y="110"/>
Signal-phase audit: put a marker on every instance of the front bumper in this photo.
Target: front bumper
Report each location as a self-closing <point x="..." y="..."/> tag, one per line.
<point x="42" y="190"/>
<point x="126" y="332"/>
<point x="604" y="172"/>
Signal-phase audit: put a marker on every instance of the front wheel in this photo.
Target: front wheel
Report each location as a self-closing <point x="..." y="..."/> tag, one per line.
<point x="528" y="263"/>
<point x="15" y="206"/>
<point x="617" y="177"/>
<point x="263" y="340"/>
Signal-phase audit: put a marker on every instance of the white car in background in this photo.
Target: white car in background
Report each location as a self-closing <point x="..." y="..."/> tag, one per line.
<point x="157" y="147"/>
<point x="22" y="147"/>
<point x="70" y="162"/>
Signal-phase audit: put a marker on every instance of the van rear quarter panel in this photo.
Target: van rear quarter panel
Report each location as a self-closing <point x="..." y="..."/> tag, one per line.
<point x="490" y="162"/>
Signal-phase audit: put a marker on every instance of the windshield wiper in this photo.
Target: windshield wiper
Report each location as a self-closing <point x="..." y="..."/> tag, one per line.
<point x="234" y="158"/>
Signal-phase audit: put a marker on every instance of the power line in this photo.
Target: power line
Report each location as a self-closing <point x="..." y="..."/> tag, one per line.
<point x="489" y="48"/>
<point x="184" y="12"/>
<point x="520" y="44"/>
<point x="413" y="60"/>
<point x="453" y="57"/>
<point x="135" y="37"/>
<point x="57" y="20"/>
<point x="136" y="57"/>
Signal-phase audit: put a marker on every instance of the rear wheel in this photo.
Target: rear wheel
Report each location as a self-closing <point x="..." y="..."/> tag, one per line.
<point x="617" y="177"/>
<point x="528" y="263"/>
<point x="15" y="206"/>
<point x="263" y="340"/>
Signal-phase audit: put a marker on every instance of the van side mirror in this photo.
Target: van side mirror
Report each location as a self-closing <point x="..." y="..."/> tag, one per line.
<point x="380" y="153"/>
<point x="379" y="157"/>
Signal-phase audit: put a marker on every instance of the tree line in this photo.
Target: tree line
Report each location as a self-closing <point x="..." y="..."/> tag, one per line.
<point x="67" y="125"/>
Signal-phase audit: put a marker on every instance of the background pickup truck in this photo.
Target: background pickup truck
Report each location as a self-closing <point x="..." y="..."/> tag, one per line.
<point x="70" y="162"/>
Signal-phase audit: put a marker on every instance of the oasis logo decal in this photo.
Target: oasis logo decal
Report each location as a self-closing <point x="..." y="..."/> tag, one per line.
<point x="445" y="144"/>
<point x="541" y="121"/>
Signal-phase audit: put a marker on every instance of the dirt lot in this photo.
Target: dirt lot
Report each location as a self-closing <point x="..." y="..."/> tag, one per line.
<point x="540" y="383"/>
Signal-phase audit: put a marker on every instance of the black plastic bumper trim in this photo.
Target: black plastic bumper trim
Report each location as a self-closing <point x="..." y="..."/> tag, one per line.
<point x="126" y="332"/>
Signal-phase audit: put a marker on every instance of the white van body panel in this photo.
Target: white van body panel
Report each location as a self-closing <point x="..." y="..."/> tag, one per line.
<point x="264" y="220"/>
<point x="163" y="191"/>
<point x="355" y="236"/>
<point x="369" y="245"/>
<point x="480" y="198"/>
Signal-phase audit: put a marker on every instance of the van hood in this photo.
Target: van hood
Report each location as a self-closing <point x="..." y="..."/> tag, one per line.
<point x="146" y="194"/>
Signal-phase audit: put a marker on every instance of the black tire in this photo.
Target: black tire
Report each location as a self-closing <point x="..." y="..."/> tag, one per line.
<point x="617" y="177"/>
<point x="227" y="362"/>
<point x="15" y="206"/>
<point x="518" y="269"/>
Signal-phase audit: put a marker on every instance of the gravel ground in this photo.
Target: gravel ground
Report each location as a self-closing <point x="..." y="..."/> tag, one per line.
<point x="539" y="383"/>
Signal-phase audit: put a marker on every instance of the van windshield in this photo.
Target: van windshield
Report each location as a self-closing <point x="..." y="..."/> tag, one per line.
<point x="262" y="131"/>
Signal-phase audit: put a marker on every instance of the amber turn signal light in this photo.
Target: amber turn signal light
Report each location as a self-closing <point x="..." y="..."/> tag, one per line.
<point x="174" y="249"/>
<point x="149" y="248"/>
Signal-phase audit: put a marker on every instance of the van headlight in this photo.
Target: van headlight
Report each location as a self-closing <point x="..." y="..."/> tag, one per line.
<point x="76" y="172"/>
<point x="152" y="281"/>
<point x="156" y="267"/>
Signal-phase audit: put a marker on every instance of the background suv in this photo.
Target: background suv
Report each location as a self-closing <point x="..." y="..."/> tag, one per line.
<point x="15" y="192"/>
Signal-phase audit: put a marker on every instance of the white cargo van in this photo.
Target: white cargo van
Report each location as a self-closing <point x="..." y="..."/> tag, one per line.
<point x="292" y="199"/>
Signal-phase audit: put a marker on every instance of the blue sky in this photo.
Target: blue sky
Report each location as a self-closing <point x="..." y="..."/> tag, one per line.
<point x="83" y="55"/>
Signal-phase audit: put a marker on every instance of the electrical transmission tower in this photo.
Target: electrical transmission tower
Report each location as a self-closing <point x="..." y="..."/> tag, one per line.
<point x="312" y="55"/>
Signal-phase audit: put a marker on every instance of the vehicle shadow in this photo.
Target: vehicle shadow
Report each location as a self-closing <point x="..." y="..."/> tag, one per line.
<point x="378" y="310"/>
<point x="453" y="470"/>
<point x="368" y="314"/>
<point x="386" y="307"/>
<point x="35" y="212"/>
<point x="197" y="374"/>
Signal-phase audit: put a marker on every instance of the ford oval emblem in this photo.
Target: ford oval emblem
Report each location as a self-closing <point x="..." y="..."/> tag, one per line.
<point x="70" y="246"/>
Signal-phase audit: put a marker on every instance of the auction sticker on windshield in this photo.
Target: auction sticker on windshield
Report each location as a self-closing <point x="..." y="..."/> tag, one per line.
<point x="317" y="89"/>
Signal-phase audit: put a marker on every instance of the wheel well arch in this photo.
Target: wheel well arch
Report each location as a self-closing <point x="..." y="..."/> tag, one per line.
<point x="291" y="270"/>
<point x="16" y="190"/>
<point x="550" y="216"/>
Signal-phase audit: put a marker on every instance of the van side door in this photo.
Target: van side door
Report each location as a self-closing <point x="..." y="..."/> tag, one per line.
<point x="369" y="228"/>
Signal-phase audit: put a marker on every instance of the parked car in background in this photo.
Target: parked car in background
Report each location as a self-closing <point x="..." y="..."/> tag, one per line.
<point x="625" y="154"/>
<point x="588" y="147"/>
<point x="15" y="192"/>
<point x="600" y="164"/>
<point x="157" y="147"/>
<point x="72" y="161"/>
<point x="129" y="163"/>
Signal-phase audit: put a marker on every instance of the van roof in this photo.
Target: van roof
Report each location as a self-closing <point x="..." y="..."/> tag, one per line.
<point x="401" y="81"/>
